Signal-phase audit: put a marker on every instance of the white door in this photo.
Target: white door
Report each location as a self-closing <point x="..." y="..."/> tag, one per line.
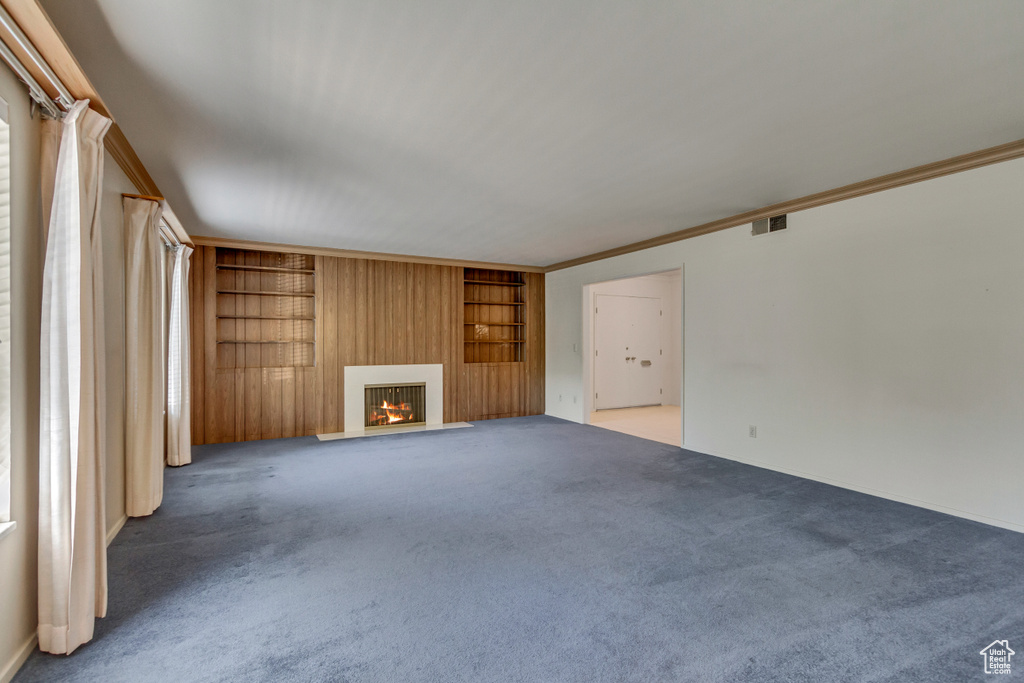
<point x="627" y="351"/>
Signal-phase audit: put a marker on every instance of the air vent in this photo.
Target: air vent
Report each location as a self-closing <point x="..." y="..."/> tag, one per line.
<point x="767" y="225"/>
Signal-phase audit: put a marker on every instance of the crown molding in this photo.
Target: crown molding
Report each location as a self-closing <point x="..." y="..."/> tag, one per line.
<point x="121" y="150"/>
<point x="964" y="162"/>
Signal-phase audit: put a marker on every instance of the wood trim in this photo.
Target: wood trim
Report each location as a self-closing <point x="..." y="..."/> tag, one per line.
<point x="142" y="196"/>
<point x="38" y="28"/>
<point x="228" y="243"/>
<point x="964" y="162"/>
<point x="121" y="150"/>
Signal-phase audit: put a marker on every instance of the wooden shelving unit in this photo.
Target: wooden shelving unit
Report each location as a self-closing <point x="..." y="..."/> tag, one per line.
<point x="266" y="309"/>
<point x="493" y="315"/>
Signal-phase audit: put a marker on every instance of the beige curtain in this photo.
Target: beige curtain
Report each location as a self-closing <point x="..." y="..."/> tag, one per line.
<point x="179" y="424"/>
<point x="144" y="357"/>
<point x="72" y="549"/>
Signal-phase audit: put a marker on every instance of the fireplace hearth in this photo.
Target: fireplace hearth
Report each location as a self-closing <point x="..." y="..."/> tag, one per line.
<point x="395" y="405"/>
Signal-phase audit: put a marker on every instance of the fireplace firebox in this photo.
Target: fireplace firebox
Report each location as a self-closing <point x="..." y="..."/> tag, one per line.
<point x="394" y="405"/>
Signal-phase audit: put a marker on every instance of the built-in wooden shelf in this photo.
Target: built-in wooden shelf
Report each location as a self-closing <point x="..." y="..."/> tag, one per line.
<point x="266" y="269"/>
<point x="497" y="303"/>
<point x="265" y="341"/>
<point x="493" y="316"/>
<point x="274" y="319"/>
<point x="256" y="292"/>
<point x="260" y="317"/>
<point x="496" y="284"/>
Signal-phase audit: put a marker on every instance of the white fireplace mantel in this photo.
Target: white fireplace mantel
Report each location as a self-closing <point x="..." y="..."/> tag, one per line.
<point x="357" y="377"/>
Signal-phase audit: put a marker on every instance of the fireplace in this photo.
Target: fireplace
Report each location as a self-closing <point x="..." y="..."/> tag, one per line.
<point x="394" y="405"/>
<point x="426" y="407"/>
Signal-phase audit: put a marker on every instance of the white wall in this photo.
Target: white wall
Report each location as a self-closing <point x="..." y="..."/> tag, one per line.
<point x="664" y="286"/>
<point x="18" y="609"/>
<point x="875" y="344"/>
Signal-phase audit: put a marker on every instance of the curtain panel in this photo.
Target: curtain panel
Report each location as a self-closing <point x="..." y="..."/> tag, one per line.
<point x="72" y="550"/>
<point x="179" y="421"/>
<point x="144" y="357"/>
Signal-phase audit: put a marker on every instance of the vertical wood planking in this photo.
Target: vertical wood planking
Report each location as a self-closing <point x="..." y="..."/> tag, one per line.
<point x="288" y="401"/>
<point x="197" y="345"/>
<point x="321" y="354"/>
<point x="366" y="312"/>
<point x="331" y="299"/>
<point x="386" y="299"/>
<point x="535" y="327"/>
<point x="218" y="426"/>
<point x="347" y="331"/>
<point x="379" y="313"/>
<point x="444" y="339"/>
<point x="419" y="349"/>
<point x="400" y="302"/>
<point x="360" y="331"/>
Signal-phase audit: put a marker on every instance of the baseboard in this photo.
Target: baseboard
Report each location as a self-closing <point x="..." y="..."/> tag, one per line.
<point x="112" y="533"/>
<point x="888" y="495"/>
<point x="18" y="659"/>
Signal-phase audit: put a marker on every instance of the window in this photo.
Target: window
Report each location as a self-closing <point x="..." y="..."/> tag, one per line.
<point x="5" y="322"/>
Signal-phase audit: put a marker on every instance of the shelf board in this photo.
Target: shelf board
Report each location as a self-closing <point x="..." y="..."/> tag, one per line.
<point x="497" y="324"/>
<point x="259" y="317"/>
<point x="253" y="292"/>
<point x="499" y="284"/>
<point x="510" y="341"/>
<point x="261" y="341"/>
<point x="497" y="303"/>
<point x="492" y="362"/>
<point x="266" y="269"/>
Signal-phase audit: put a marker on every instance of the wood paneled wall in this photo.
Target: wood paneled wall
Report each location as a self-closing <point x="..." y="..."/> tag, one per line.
<point x="368" y="312"/>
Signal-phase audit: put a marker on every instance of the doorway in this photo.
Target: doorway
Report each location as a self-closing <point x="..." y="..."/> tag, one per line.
<point x="633" y="339"/>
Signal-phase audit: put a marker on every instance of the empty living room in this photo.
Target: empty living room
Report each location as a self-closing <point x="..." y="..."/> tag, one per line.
<point x="464" y="340"/>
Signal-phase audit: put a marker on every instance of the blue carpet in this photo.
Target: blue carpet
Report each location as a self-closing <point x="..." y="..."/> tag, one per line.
<point x="533" y="549"/>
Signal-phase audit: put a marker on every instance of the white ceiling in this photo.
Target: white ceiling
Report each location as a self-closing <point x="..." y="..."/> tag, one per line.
<point x="533" y="131"/>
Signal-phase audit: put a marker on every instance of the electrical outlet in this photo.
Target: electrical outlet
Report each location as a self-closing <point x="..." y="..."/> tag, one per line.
<point x="753" y="432"/>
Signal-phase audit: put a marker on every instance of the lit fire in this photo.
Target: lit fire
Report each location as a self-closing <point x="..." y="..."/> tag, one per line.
<point x="390" y="413"/>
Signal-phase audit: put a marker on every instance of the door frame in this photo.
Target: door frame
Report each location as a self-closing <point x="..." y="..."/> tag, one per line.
<point x="587" y="351"/>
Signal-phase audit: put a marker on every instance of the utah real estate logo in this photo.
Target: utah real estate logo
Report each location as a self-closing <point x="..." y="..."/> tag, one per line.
<point x="997" y="657"/>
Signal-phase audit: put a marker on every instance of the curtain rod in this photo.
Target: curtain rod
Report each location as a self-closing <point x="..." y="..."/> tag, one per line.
<point x="170" y="239"/>
<point x="35" y="90"/>
<point x="167" y="233"/>
<point x="64" y="98"/>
